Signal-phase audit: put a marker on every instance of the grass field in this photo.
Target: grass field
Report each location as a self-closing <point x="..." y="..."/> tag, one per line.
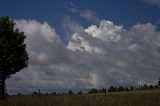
<point x="134" y="98"/>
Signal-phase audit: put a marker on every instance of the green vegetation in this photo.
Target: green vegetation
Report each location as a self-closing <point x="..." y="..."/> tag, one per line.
<point x="13" y="54"/>
<point x="130" y="98"/>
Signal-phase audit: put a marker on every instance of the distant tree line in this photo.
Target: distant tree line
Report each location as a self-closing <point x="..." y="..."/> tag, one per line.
<point x="104" y="90"/>
<point x="122" y="89"/>
<point x="132" y="88"/>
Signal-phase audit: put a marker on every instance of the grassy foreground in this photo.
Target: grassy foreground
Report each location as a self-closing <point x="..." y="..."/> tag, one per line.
<point x="135" y="98"/>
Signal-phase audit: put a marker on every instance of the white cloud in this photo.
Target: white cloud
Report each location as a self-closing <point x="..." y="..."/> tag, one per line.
<point x="93" y="79"/>
<point x="34" y="28"/>
<point x="44" y="48"/>
<point x="89" y="15"/>
<point x="106" y="31"/>
<point x="124" y="52"/>
<point x="79" y="43"/>
<point x="97" y="56"/>
<point x="51" y="64"/>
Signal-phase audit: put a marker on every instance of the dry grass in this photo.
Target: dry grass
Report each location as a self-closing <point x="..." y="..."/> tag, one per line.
<point x="138" y="98"/>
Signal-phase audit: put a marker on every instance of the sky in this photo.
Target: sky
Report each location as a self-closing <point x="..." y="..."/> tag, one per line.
<point x="83" y="44"/>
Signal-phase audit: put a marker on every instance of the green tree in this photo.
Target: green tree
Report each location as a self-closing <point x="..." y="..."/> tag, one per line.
<point x="120" y="88"/>
<point x="144" y="87"/>
<point x="93" y="90"/>
<point x="112" y="89"/>
<point x="159" y="82"/>
<point x="13" y="55"/>
<point x="80" y="92"/>
<point x="126" y="89"/>
<point x="70" y="92"/>
<point x="131" y="88"/>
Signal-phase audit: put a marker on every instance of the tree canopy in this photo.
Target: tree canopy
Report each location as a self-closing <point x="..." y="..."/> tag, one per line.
<point x="159" y="82"/>
<point x="13" y="54"/>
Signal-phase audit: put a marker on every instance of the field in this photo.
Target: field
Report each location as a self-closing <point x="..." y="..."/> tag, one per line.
<point x="134" y="98"/>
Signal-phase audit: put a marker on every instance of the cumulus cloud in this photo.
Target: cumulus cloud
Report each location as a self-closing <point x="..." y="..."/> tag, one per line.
<point x="97" y="56"/>
<point x="153" y="2"/>
<point x="81" y="44"/>
<point x="106" y="31"/>
<point x="51" y="64"/>
<point x="125" y="54"/>
<point x="42" y="42"/>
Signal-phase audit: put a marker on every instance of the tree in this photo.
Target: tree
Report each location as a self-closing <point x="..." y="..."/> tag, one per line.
<point x="13" y="55"/>
<point x="120" y="88"/>
<point x="131" y="88"/>
<point x="126" y="89"/>
<point x="144" y="87"/>
<point x="93" y="90"/>
<point x="70" y="92"/>
<point x="159" y="82"/>
<point x="151" y="86"/>
<point x="80" y="92"/>
<point x="112" y="89"/>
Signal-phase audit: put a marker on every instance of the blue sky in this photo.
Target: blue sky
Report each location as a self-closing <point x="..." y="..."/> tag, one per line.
<point x="124" y="12"/>
<point x="83" y="44"/>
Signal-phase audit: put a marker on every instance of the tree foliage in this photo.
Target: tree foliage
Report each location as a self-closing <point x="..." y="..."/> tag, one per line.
<point x="13" y="54"/>
<point x="159" y="82"/>
<point x="70" y="92"/>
